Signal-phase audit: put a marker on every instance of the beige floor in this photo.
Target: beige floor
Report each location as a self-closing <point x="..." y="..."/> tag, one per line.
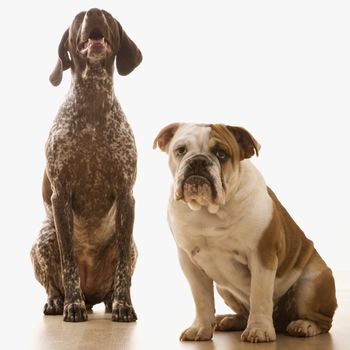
<point x="157" y="330"/>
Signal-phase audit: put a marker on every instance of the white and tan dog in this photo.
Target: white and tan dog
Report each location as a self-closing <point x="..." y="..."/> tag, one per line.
<point x="231" y="229"/>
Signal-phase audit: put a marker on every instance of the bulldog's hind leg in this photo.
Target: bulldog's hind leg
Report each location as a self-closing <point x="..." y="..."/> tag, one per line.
<point x="47" y="267"/>
<point x="315" y="300"/>
<point x="237" y="322"/>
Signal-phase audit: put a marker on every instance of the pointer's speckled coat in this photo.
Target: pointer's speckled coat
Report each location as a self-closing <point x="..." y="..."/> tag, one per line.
<point x="85" y="252"/>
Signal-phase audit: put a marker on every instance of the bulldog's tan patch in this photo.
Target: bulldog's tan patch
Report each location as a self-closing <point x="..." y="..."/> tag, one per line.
<point x="221" y="137"/>
<point x="240" y="143"/>
<point x="324" y="299"/>
<point x="283" y="242"/>
<point x="310" y="302"/>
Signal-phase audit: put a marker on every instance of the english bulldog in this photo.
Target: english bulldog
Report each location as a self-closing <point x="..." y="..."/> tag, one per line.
<point x="230" y="229"/>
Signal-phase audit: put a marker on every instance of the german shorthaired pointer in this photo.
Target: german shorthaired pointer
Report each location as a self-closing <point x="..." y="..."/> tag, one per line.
<point x="85" y="253"/>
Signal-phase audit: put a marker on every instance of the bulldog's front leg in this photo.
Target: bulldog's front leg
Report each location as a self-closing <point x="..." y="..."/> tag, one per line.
<point x="204" y="323"/>
<point x="74" y="309"/>
<point x="122" y="309"/>
<point x="260" y="324"/>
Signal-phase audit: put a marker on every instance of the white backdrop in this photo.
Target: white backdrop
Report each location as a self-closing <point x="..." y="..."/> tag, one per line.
<point x="279" y="68"/>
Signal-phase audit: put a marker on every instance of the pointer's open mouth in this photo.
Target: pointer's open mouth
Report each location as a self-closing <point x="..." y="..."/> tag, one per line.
<point x="95" y="39"/>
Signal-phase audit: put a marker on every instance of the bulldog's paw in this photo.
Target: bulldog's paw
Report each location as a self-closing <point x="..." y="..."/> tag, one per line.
<point x="225" y="323"/>
<point x="75" y="312"/>
<point x="197" y="333"/>
<point x="123" y="312"/>
<point x="54" y="306"/>
<point x="303" y="328"/>
<point x="259" y="334"/>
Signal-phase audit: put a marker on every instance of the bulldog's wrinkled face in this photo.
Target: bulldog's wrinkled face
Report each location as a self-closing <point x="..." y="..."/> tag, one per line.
<point x="204" y="160"/>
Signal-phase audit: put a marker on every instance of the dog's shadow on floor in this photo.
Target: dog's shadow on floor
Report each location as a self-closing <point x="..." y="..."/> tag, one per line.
<point x="232" y="341"/>
<point x="100" y="333"/>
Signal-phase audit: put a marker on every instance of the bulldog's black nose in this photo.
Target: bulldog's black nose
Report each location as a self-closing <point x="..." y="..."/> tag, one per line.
<point x="94" y="12"/>
<point x="198" y="163"/>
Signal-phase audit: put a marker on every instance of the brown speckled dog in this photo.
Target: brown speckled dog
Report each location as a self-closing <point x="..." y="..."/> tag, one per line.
<point x="85" y="252"/>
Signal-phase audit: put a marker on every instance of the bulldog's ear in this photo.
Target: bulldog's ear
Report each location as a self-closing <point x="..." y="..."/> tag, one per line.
<point x="164" y="137"/>
<point x="247" y="143"/>
<point x="128" y="56"/>
<point x="63" y="62"/>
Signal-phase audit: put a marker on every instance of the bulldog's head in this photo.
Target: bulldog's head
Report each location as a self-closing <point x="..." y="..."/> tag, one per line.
<point x="205" y="161"/>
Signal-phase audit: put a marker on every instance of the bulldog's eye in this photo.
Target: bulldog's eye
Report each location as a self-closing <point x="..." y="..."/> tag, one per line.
<point x="180" y="151"/>
<point x="221" y="155"/>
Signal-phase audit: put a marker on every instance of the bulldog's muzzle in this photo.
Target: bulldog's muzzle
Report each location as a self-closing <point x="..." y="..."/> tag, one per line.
<point x="197" y="184"/>
<point x="197" y="172"/>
